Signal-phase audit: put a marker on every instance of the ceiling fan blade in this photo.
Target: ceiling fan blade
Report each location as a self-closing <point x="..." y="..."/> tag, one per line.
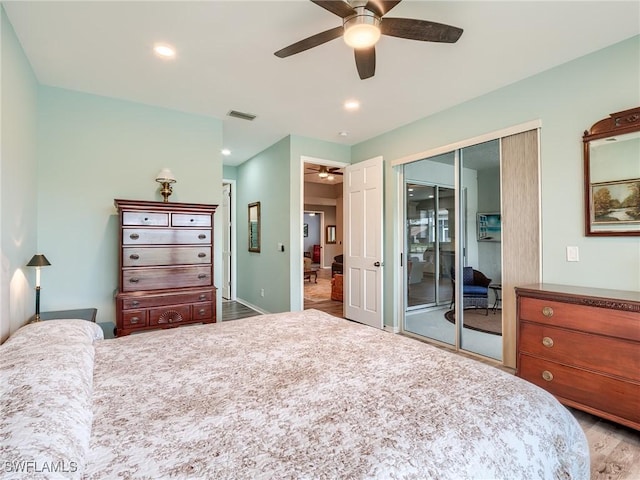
<point x="310" y="42"/>
<point x="422" y="30"/>
<point x="381" y="7"/>
<point x="365" y="62"/>
<point x="337" y="7"/>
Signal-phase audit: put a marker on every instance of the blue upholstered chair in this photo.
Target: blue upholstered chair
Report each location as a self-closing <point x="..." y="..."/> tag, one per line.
<point x="475" y="289"/>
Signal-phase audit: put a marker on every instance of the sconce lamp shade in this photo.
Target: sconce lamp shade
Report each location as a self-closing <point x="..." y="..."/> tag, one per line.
<point x="165" y="176"/>
<point x="38" y="260"/>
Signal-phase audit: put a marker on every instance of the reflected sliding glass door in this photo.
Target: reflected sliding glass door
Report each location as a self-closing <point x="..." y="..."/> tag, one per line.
<point x="430" y="246"/>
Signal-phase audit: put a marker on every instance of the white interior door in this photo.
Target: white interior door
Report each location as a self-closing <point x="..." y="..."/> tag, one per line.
<point x="226" y="241"/>
<point x="363" y="242"/>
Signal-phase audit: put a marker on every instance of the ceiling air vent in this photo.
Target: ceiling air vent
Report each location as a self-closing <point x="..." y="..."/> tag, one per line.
<point x="242" y="115"/>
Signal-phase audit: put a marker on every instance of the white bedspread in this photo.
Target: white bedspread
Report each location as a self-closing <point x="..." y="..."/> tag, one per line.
<point x="310" y="396"/>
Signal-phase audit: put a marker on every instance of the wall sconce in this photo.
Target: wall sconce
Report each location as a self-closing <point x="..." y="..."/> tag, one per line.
<point x="165" y="178"/>
<point x="38" y="260"/>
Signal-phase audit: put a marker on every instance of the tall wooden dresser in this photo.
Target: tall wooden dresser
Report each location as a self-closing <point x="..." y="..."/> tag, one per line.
<point x="166" y="265"/>
<point x="583" y="346"/>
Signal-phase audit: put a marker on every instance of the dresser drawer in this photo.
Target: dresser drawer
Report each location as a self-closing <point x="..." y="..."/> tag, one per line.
<point x="202" y="311"/>
<point x="160" y="236"/>
<point x="135" y="301"/>
<point x="170" y="315"/>
<point x="134" y="318"/>
<point x="614" y="323"/>
<point x="190" y="220"/>
<point x="145" y="218"/>
<point x="600" y="392"/>
<point x="156" y="256"/>
<point x="598" y="353"/>
<point x="158" y="278"/>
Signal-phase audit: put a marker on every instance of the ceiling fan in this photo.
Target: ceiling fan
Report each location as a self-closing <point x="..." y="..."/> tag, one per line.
<point x="323" y="172"/>
<point x="363" y="23"/>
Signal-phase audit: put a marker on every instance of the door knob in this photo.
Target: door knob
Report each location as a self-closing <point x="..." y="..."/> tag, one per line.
<point x="377" y="264"/>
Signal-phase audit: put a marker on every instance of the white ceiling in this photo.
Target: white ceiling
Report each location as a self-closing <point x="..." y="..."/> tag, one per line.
<point x="225" y="59"/>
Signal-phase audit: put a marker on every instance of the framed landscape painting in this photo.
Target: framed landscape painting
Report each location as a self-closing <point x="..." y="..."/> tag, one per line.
<point x="616" y="205"/>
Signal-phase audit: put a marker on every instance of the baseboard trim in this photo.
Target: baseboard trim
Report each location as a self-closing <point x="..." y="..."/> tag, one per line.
<point x="252" y="306"/>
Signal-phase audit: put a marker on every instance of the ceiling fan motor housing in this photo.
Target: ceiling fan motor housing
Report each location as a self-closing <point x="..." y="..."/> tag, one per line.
<point x="362" y="30"/>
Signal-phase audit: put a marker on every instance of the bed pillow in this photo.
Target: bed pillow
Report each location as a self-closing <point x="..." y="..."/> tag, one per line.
<point x="55" y="331"/>
<point x="46" y="387"/>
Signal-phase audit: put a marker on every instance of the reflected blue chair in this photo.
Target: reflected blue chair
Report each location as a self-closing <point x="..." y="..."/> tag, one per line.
<point x="475" y="289"/>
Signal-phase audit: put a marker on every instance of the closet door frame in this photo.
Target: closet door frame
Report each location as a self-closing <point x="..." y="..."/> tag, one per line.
<point x="521" y="197"/>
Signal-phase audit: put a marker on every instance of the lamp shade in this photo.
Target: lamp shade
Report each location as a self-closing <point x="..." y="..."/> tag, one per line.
<point x="165" y="176"/>
<point x="38" y="260"/>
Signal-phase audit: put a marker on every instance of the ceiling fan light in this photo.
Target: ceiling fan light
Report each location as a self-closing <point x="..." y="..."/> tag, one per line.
<point x="323" y="174"/>
<point x="362" y="30"/>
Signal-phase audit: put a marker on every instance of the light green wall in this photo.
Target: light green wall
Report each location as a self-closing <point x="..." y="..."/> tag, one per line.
<point x="229" y="172"/>
<point x="18" y="177"/>
<point x="567" y="99"/>
<point x="265" y="178"/>
<point x="92" y="150"/>
<point x="273" y="178"/>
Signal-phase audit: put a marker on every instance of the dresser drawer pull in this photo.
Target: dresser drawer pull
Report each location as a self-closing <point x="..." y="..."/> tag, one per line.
<point x="134" y="280"/>
<point x="202" y="275"/>
<point x="134" y="236"/>
<point x="191" y="220"/>
<point x="547" y="375"/>
<point x="134" y="256"/>
<point x="547" y="342"/>
<point x="547" y="312"/>
<point x="202" y="296"/>
<point x="134" y="320"/>
<point x="202" y="255"/>
<point x="135" y="303"/>
<point x="201" y="311"/>
<point x="146" y="219"/>
<point x="202" y="236"/>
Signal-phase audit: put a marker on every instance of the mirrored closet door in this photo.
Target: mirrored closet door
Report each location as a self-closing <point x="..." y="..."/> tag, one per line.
<point x="452" y="239"/>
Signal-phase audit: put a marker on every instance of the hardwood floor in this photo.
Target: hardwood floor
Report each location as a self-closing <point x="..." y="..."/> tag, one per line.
<point x="232" y="310"/>
<point x="317" y="295"/>
<point x="614" y="449"/>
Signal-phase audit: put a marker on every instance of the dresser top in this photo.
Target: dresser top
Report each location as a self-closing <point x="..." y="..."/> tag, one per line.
<point x="148" y="205"/>
<point x="571" y="291"/>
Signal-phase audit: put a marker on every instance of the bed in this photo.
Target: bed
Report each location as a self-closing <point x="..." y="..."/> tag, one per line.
<point x="301" y="395"/>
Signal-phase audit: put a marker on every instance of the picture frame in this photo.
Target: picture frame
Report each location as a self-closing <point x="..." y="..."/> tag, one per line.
<point x="254" y="227"/>
<point x="330" y="235"/>
<point x="616" y="204"/>
<point x="489" y="227"/>
<point x="305" y="230"/>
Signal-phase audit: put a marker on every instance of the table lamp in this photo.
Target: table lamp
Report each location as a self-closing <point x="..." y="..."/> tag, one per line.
<point x="38" y="260"/>
<point x="165" y="178"/>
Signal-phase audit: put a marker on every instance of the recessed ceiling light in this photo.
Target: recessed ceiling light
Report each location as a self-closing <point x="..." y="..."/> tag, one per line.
<point x="226" y="152"/>
<point x="352" y="105"/>
<point x="343" y="134"/>
<point x="164" y="50"/>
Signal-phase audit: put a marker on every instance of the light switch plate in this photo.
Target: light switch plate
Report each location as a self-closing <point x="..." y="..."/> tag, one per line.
<point x="572" y="254"/>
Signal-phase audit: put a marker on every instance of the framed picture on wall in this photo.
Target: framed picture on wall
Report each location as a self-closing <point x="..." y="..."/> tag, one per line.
<point x="489" y="227"/>
<point x="306" y="230"/>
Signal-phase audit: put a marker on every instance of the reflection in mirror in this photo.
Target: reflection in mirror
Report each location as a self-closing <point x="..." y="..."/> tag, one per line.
<point x="331" y="234"/>
<point x="612" y="175"/>
<point x="254" y="227"/>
